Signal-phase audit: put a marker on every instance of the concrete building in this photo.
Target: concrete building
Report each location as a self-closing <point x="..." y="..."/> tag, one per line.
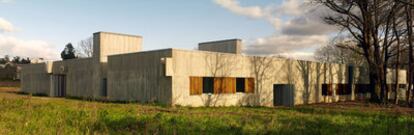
<point x="215" y="75"/>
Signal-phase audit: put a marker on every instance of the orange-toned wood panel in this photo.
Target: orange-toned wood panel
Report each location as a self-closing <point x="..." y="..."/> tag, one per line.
<point x="224" y="85"/>
<point x="229" y="85"/>
<point x="218" y="86"/>
<point x="196" y="85"/>
<point x="249" y="85"/>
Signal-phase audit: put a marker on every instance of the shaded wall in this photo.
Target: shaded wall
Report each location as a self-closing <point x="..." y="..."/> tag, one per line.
<point x="224" y="46"/>
<point x="35" y="78"/>
<point x="79" y="77"/>
<point x="139" y="77"/>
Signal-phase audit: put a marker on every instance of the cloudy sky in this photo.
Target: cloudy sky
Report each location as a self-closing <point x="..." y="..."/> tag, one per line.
<point x="41" y="28"/>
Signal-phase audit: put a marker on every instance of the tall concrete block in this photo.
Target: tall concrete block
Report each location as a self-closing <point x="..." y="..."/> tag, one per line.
<point x="224" y="46"/>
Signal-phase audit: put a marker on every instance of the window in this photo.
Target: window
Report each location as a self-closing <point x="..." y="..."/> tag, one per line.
<point x="327" y="89"/>
<point x="208" y="84"/>
<point x="343" y="89"/>
<point x="104" y="87"/>
<point x="402" y="86"/>
<point x="219" y="85"/>
<point x="240" y="84"/>
<point x="362" y="88"/>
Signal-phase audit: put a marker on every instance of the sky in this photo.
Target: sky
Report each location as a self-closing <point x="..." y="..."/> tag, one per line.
<point x="41" y="28"/>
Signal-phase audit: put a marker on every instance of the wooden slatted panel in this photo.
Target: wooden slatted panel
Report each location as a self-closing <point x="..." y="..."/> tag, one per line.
<point x="218" y="85"/>
<point x="229" y="85"/>
<point x="196" y="85"/>
<point x="249" y="85"/>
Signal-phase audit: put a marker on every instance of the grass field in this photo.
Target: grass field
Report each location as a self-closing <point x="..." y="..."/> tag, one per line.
<point x="24" y="114"/>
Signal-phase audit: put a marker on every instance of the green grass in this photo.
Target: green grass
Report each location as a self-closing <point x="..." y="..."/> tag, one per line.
<point x="22" y="114"/>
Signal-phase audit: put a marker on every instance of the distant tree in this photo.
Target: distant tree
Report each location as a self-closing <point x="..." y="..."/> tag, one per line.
<point x="25" y="61"/>
<point x="68" y="52"/>
<point x="7" y="58"/>
<point x="3" y="61"/>
<point x="85" y="47"/>
<point x="16" y="60"/>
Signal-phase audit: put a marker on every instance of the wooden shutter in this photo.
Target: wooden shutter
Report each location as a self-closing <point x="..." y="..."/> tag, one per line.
<point x="249" y="85"/>
<point x="218" y="85"/>
<point x="196" y="85"/>
<point x="229" y="85"/>
<point x="224" y="85"/>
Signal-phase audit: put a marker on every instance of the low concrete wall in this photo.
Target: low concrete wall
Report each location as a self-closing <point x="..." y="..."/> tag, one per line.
<point x="35" y="78"/>
<point x="79" y="77"/>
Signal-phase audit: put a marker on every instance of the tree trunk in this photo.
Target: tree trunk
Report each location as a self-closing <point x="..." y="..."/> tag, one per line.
<point x="397" y="64"/>
<point x="374" y="85"/>
<point x="410" y="51"/>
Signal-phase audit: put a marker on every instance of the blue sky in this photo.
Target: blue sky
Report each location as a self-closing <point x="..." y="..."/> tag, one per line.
<point x="162" y="23"/>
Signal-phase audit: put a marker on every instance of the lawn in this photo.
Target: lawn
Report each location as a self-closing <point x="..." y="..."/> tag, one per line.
<point x="24" y="114"/>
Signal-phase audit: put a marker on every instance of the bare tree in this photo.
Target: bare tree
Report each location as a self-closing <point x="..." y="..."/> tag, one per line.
<point x="410" y="66"/>
<point x="369" y="22"/>
<point x="337" y="52"/>
<point x="85" y="47"/>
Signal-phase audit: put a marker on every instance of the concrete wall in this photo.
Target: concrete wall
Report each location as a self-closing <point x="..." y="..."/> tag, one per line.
<point x="35" y="78"/>
<point x="107" y="43"/>
<point x="139" y="77"/>
<point x="80" y="77"/>
<point x="307" y="77"/>
<point x="163" y="76"/>
<point x="224" y="46"/>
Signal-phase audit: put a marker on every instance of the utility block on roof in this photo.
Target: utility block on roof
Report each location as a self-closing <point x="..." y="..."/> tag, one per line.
<point x="108" y="43"/>
<point x="225" y="46"/>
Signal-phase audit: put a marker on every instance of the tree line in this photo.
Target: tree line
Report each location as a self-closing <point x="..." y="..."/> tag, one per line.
<point x="15" y="60"/>
<point x="379" y="35"/>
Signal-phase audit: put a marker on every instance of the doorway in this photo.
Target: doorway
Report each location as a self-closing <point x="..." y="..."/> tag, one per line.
<point x="283" y="95"/>
<point x="59" y="82"/>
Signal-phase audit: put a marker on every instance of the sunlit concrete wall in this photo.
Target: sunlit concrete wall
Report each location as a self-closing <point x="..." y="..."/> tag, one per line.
<point x="307" y="77"/>
<point x="139" y="77"/>
<point x="107" y="43"/>
<point x="163" y="75"/>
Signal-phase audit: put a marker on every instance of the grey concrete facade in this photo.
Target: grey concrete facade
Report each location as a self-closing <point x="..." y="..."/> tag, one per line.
<point x="120" y="71"/>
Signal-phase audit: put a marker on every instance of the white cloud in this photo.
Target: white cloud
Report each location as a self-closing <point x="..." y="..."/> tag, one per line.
<point x="10" y="45"/>
<point x="309" y="22"/>
<point x="26" y="48"/>
<point x="283" y="44"/>
<point x="6" y="26"/>
<point x="298" y="25"/>
<point x="255" y="12"/>
<point x="234" y="6"/>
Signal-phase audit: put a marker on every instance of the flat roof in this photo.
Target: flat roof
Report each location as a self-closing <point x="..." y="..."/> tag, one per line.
<point x="122" y="34"/>
<point x="217" y="41"/>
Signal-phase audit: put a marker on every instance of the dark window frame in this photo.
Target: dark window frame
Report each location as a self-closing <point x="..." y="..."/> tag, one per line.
<point x="208" y="85"/>
<point x="241" y="85"/>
